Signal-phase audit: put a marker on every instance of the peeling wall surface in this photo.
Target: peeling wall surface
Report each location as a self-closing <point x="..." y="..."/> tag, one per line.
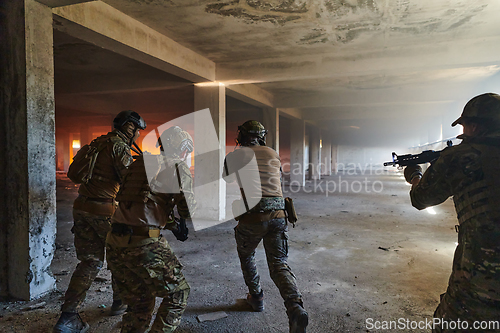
<point x="28" y="217"/>
<point x="298" y="24"/>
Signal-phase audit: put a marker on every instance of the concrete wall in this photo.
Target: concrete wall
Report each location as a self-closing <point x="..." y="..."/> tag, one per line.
<point x="28" y="211"/>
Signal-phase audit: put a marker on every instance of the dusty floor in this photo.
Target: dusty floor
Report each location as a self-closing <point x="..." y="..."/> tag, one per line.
<point x="356" y="256"/>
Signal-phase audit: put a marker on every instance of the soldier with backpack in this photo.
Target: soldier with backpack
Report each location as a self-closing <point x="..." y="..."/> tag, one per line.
<point x="99" y="168"/>
<point x="141" y="260"/>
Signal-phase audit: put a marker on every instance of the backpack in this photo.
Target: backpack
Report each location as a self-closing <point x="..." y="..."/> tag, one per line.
<point x="80" y="170"/>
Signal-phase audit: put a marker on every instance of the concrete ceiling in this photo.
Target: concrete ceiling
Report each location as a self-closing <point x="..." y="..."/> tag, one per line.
<point x="342" y="62"/>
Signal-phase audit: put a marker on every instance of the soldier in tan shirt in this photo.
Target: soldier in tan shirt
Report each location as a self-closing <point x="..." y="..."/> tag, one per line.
<point x="257" y="169"/>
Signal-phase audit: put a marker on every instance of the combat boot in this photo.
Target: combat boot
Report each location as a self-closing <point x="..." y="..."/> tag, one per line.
<point x="118" y="308"/>
<point x="256" y="301"/>
<point x="70" y="322"/>
<point x="297" y="317"/>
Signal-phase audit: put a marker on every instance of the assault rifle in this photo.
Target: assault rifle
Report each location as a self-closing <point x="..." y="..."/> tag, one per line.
<point x="409" y="159"/>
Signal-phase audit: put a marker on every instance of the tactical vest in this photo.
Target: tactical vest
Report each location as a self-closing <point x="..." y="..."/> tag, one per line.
<point x="105" y="181"/>
<point x="483" y="194"/>
<point x="104" y="169"/>
<point x="135" y="186"/>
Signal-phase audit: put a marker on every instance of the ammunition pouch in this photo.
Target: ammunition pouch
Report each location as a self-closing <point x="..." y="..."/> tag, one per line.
<point x="291" y="214"/>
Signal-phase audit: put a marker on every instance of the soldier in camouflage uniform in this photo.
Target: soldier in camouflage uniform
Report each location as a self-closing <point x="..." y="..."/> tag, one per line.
<point x="470" y="173"/>
<point x="142" y="262"/>
<point x="266" y="221"/>
<point x="92" y="212"/>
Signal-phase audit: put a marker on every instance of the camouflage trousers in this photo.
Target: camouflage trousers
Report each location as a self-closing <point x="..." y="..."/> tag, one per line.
<point x="275" y="238"/>
<point x="455" y="306"/>
<point x="143" y="273"/>
<point x="90" y="234"/>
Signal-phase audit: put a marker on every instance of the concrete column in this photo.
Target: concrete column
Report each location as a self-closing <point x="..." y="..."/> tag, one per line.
<point x="326" y="154"/>
<point x="335" y="159"/>
<point x="297" y="149"/>
<point x="27" y="174"/>
<point x="210" y="188"/>
<point x="315" y="153"/>
<point x="271" y="122"/>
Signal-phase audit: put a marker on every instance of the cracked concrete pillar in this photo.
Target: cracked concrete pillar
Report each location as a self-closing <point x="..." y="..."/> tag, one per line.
<point x="271" y="122"/>
<point x="208" y="167"/>
<point x="297" y="150"/>
<point x="326" y="154"/>
<point x="28" y="199"/>
<point x="315" y="153"/>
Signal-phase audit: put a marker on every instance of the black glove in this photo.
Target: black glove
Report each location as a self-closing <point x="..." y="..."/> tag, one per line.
<point x="411" y="171"/>
<point x="181" y="232"/>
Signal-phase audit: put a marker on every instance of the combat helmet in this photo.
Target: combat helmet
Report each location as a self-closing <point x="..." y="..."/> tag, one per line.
<point x="174" y="140"/>
<point x="129" y="116"/>
<point x="251" y="129"/>
<point x="483" y="109"/>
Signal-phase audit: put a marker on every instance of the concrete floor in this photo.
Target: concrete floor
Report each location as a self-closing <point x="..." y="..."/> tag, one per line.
<point x="335" y="252"/>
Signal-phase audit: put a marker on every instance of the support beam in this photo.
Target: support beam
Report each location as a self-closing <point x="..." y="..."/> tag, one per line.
<point x="271" y="122"/>
<point x="28" y="203"/>
<point x="291" y="113"/>
<point x="251" y="94"/>
<point x="98" y="23"/>
<point x="211" y="196"/>
<point x="60" y="3"/>
<point x="297" y="150"/>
